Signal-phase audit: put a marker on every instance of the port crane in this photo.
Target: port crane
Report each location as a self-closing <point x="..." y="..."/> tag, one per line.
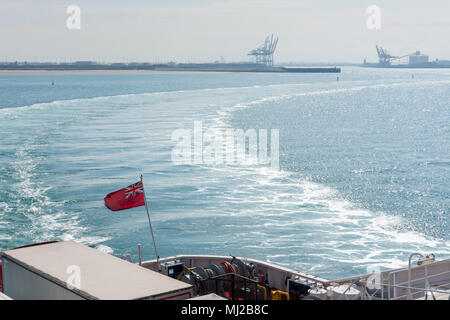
<point x="386" y="59"/>
<point x="264" y="53"/>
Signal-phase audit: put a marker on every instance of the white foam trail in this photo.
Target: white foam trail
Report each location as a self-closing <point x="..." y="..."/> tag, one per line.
<point x="47" y="218"/>
<point x="43" y="105"/>
<point x="221" y="120"/>
<point x="285" y="202"/>
<point x="105" y="249"/>
<point x="39" y="106"/>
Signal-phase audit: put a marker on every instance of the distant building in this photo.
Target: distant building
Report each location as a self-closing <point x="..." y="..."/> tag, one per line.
<point x="418" y="58"/>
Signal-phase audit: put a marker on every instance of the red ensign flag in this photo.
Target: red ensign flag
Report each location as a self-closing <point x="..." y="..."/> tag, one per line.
<point x="126" y="198"/>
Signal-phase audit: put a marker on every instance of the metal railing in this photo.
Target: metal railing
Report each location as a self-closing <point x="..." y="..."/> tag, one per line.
<point x="389" y="291"/>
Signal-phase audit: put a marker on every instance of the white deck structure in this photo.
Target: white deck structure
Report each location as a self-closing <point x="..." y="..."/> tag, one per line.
<point x="69" y="270"/>
<point x="50" y="271"/>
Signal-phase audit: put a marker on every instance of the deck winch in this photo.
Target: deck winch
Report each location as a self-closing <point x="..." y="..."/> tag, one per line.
<point x="233" y="278"/>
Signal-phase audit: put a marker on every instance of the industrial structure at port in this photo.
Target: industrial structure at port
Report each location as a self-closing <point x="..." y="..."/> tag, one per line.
<point x="411" y="60"/>
<point x="264" y="54"/>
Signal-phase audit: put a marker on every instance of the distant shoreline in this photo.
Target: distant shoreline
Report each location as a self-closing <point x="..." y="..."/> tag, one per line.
<point x="88" y="66"/>
<point x="178" y="70"/>
<point x="44" y="71"/>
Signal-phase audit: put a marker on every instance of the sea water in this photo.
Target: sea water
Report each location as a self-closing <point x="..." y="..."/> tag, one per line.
<point x="363" y="177"/>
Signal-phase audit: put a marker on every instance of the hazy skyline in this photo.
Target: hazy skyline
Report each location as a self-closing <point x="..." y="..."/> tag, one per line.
<point x="204" y="31"/>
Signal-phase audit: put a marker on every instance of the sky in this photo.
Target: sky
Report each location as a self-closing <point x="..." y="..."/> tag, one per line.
<point x="209" y="30"/>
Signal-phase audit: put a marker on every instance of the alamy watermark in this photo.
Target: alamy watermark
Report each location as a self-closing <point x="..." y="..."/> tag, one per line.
<point x="74" y="278"/>
<point x="226" y="146"/>
<point x="373" y="22"/>
<point x="73" y="22"/>
<point x="374" y="280"/>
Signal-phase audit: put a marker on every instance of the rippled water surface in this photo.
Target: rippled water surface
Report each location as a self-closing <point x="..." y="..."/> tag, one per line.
<point x="363" y="179"/>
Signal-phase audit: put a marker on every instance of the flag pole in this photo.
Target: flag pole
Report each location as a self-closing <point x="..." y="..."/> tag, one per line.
<point x="150" y="224"/>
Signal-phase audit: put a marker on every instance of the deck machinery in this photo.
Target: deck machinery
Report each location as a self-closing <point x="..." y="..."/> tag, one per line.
<point x="73" y="271"/>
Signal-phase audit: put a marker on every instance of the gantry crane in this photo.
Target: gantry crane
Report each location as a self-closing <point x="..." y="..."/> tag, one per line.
<point x="264" y="53"/>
